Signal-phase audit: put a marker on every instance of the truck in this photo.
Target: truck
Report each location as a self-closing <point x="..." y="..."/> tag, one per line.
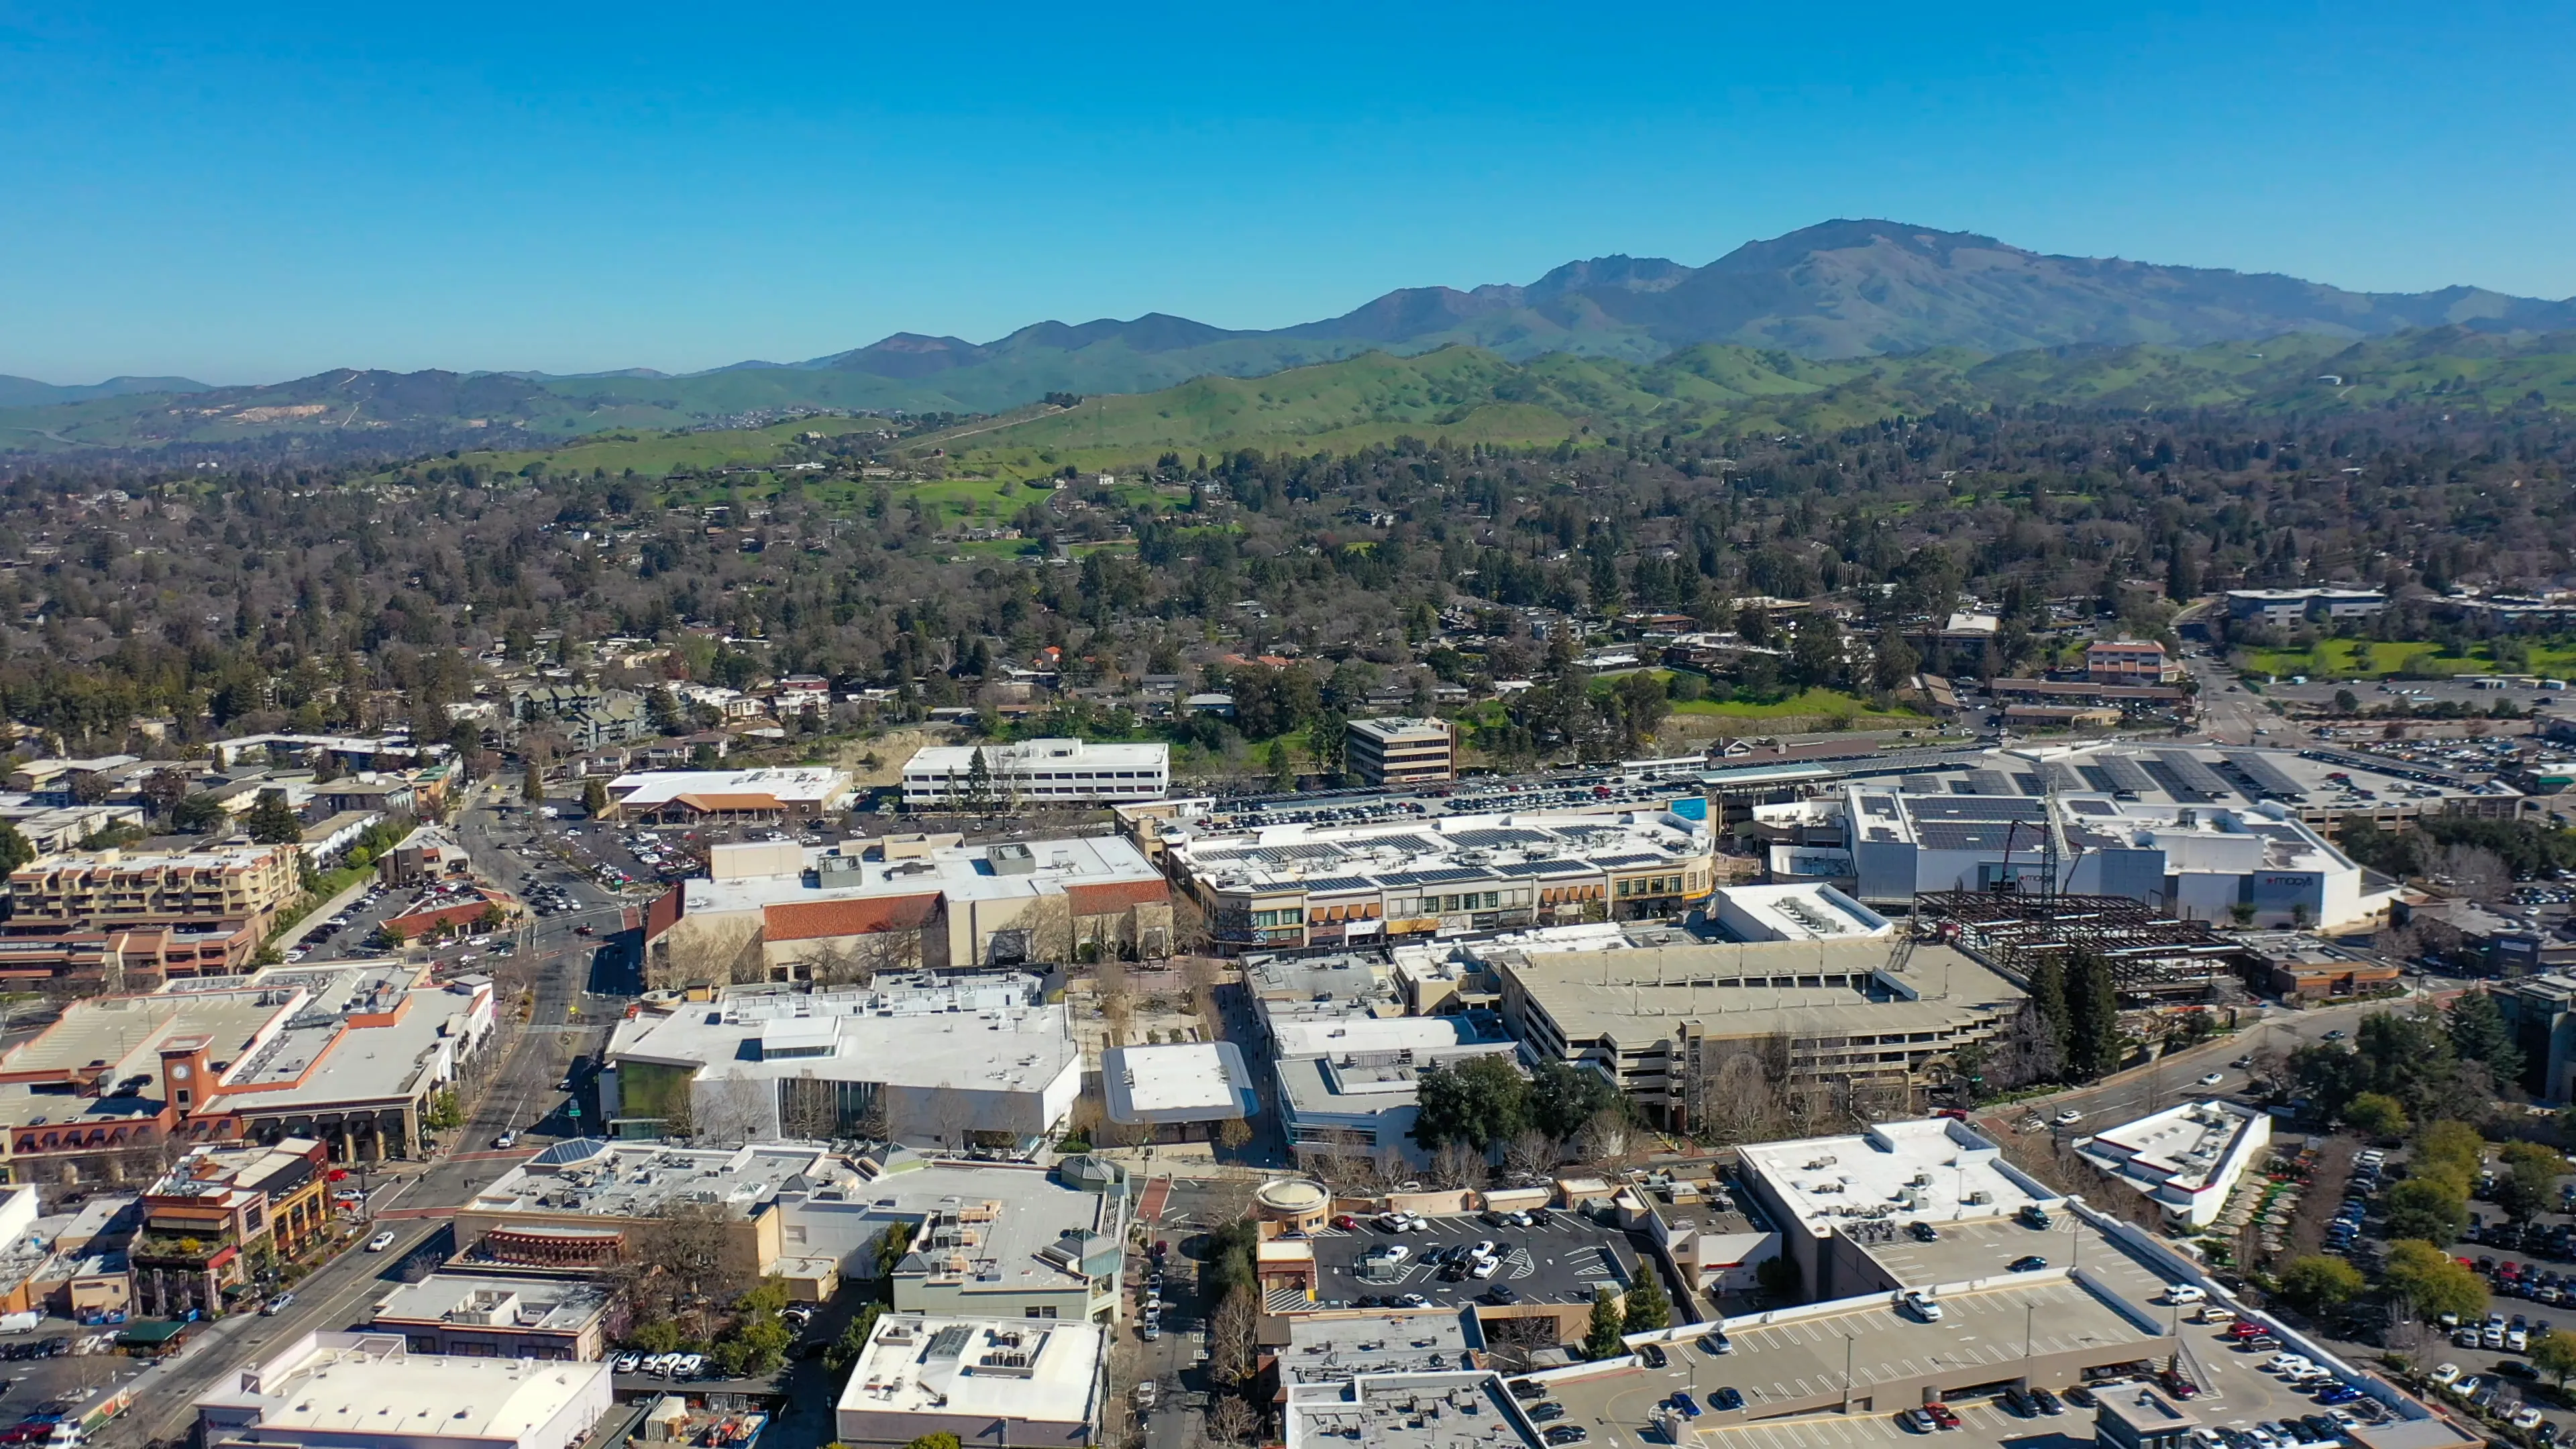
<point x="20" y="1322"/>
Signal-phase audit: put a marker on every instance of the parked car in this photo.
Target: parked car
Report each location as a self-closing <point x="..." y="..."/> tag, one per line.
<point x="1922" y="1305"/>
<point x="381" y="1241"/>
<point x="1942" y="1414"/>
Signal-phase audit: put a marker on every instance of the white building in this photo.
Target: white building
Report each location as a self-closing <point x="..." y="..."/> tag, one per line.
<point x="330" y="1390"/>
<point x="926" y="1062"/>
<point x="1026" y="1383"/>
<point x="802" y="792"/>
<point x="1831" y="1196"/>
<point x="1800" y="911"/>
<point x="1035" y="773"/>
<point x="2289" y="606"/>
<point x="1179" y="1085"/>
<point x="2187" y="1158"/>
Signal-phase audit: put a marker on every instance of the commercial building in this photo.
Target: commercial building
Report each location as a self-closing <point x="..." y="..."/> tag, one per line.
<point x="489" y="1316"/>
<point x="1034" y="774"/>
<point x="1856" y="1019"/>
<point x="1834" y="1198"/>
<point x="1454" y="1410"/>
<point x="2128" y="661"/>
<point x="1182" y="1091"/>
<point x="328" y="1390"/>
<point x="348" y="1056"/>
<point x="1295" y="887"/>
<point x="242" y="884"/>
<point x="1002" y="1381"/>
<point x="779" y="912"/>
<point x="2540" y="1011"/>
<point x="1398" y="751"/>
<point x="1714" y="1241"/>
<point x="2290" y="606"/>
<point x="743" y="797"/>
<point x="221" y="1214"/>
<point x="2186" y="1158"/>
<point x="1352" y="1090"/>
<point x="949" y="1062"/>
<point x="1799" y="911"/>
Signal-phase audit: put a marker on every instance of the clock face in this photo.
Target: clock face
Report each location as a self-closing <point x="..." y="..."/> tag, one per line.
<point x="179" y="1073"/>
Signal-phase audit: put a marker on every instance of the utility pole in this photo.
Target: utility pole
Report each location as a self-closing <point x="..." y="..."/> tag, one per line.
<point x="1848" y="1341"/>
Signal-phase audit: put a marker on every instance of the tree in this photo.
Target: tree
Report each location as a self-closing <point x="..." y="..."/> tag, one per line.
<point x="1233" y="1334"/>
<point x="1816" y="655"/>
<point x="2376" y="1114"/>
<point x="594" y="797"/>
<point x="2529" y="1186"/>
<point x="2093" y="1015"/>
<point x="1562" y="1098"/>
<point x="2555" y="1355"/>
<point x="2319" y="1284"/>
<point x="1233" y="1420"/>
<point x="15" y="848"/>
<point x="1779" y="1276"/>
<point x="2429" y="1283"/>
<point x="1601" y="1340"/>
<point x="1647" y="1307"/>
<point x="2478" y="1034"/>
<point x="941" y="1440"/>
<point x="1480" y="1102"/>
<point x="532" y="785"/>
<point x="2427" y="1207"/>
<point x="2346" y="702"/>
<point x="1283" y="770"/>
<point x="197" y="814"/>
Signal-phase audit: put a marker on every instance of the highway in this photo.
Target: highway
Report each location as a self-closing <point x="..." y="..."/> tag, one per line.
<point x="512" y="1085"/>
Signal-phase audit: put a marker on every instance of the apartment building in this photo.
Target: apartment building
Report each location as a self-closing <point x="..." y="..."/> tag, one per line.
<point x="2128" y="661"/>
<point x="109" y="888"/>
<point x="1399" y="751"/>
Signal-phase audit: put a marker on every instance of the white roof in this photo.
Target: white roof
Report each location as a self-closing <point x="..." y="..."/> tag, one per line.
<point x="802" y="784"/>
<point x="1039" y="754"/>
<point x="1039" y="1369"/>
<point x="370" y="1384"/>
<point x="1930" y="1168"/>
<point x="1800" y="911"/>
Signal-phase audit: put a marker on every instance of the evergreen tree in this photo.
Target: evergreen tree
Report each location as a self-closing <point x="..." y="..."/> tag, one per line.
<point x="532" y="785"/>
<point x="1602" y="1339"/>
<point x="2048" y="996"/>
<point x="272" y="821"/>
<point x="1647" y="1306"/>
<point x="15" y="848"/>
<point x="594" y="797"/>
<point x="2092" y="1015"/>
<point x="2478" y="1034"/>
<point x="1283" y="770"/>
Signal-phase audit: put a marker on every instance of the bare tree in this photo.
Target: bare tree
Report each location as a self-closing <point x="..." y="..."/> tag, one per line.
<point x="1233" y="1420"/>
<point x="847" y="962"/>
<point x="1531" y="1151"/>
<point x="1455" y="1165"/>
<point x="808" y="1108"/>
<point x="1735" y="1096"/>
<point x="721" y="954"/>
<point x="736" y="1109"/>
<point x="1608" y="1140"/>
<point x="2476" y="872"/>
<point x="680" y="1265"/>
<point x="1232" y="1335"/>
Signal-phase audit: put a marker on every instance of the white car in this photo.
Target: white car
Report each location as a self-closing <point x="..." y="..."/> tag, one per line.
<point x="381" y="1241"/>
<point x="2526" y="1418"/>
<point x="625" y="1363"/>
<point x="2069" y="1117"/>
<point x="2185" y="1293"/>
<point x="1923" y="1305"/>
<point x="1394" y="1253"/>
<point x="2517" y="1340"/>
<point x="1485" y="1267"/>
<point x="2213" y="1079"/>
<point x="2445" y="1376"/>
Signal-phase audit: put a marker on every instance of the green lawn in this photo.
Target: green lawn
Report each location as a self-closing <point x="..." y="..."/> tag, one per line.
<point x="2381" y="659"/>
<point x="1814" y="703"/>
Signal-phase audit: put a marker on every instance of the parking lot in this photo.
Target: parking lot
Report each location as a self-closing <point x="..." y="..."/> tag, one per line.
<point x="1559" y="1258"/>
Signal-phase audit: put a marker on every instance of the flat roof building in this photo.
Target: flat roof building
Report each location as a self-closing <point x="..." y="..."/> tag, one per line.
<point x="1178" y="1087"/>
<point x="2186" y="1158"/>
<point x="1395" y="750"/>
<point x="1662" y="1021"/>
<point x="248" y="884"/>
<point x="1016" y="1381"/>
<point x="1799" y="911"/>
<point x="689" y="797"/>
<point x="491" y="1316"/>
<point x="925" y="1060"/>
<point x="1862" y="1188"/>
<point x="329" y="1390"/>
<point x="1296" y="887"/>
<point x="1034" y="774"/>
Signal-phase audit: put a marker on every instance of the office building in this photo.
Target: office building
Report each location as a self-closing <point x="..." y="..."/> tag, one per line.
<point x="2186" y="1158"/>
<point x="1398" y="752"/>
<point x="1034" y="775"/>
<point x="2290" y="606"/>
<point x="495" y="1316"/>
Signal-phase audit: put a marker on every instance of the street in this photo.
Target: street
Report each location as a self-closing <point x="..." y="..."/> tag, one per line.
<point x="511" y="1084"/>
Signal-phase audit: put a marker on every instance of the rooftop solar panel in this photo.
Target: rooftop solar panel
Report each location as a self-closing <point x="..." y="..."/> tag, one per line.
<point x="1975" y="807"/>
<point x="2125" y="773"/>
<point x="1413" y="843"/>
<point x="1973" y="835"/>
<point x="1339" y="885"/>
<point x="2267" y="777"/>
<point x="2092" y="807"/>
<point x="2095" y="777"/>
<point x="1449" y="877"/>
<point x="1988" y="782"/>
<point x="1495" y="839"/>
<point x="1618" y="861"/>
<point x="2030" y="784"/>
<point x="2194" y="773"/>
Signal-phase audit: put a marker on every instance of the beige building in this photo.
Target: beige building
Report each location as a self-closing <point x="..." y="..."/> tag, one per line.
<point x="1398" y="751"/>
<point x="1661" y="1021"/>
<point x="106" y="888"/>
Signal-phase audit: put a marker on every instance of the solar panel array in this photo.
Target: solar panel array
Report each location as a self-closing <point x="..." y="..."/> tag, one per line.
<point x="1976" y="807"/>
<point x="2030" y="784"/>
<point x="1336" y="884"/>
<point x="1988" y="782"/>
<point x="1497" y="839"/>
<point x="1973" y="835"/>
<point x="2125" y="774"/>
<point x="2193" y="772"/>
<point x="2267" y="777"/>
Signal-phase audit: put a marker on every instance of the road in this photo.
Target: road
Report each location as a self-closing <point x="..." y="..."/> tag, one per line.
<point x="513" y="1086"/>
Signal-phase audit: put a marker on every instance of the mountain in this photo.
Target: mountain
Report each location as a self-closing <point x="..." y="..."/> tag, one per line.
<point x="1836" y="292"/>
<point x="26" y="392"/>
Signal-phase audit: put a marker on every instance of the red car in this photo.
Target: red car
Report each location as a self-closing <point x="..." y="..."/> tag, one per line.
<point x="1346" y="1222"/>
<point x="1941" y="1414"/>
<point x="581" y="930"/>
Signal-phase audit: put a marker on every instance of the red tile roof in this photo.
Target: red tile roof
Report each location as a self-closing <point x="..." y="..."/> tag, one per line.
<point x="1110" y="896"/>
<point x="820" y="920"/>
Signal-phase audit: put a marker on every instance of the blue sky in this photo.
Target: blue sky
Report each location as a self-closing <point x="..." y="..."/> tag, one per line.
<point x="252" y="193"/>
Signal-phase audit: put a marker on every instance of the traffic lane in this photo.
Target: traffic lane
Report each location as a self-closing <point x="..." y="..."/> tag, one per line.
<point x="2178" y="1074"/>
